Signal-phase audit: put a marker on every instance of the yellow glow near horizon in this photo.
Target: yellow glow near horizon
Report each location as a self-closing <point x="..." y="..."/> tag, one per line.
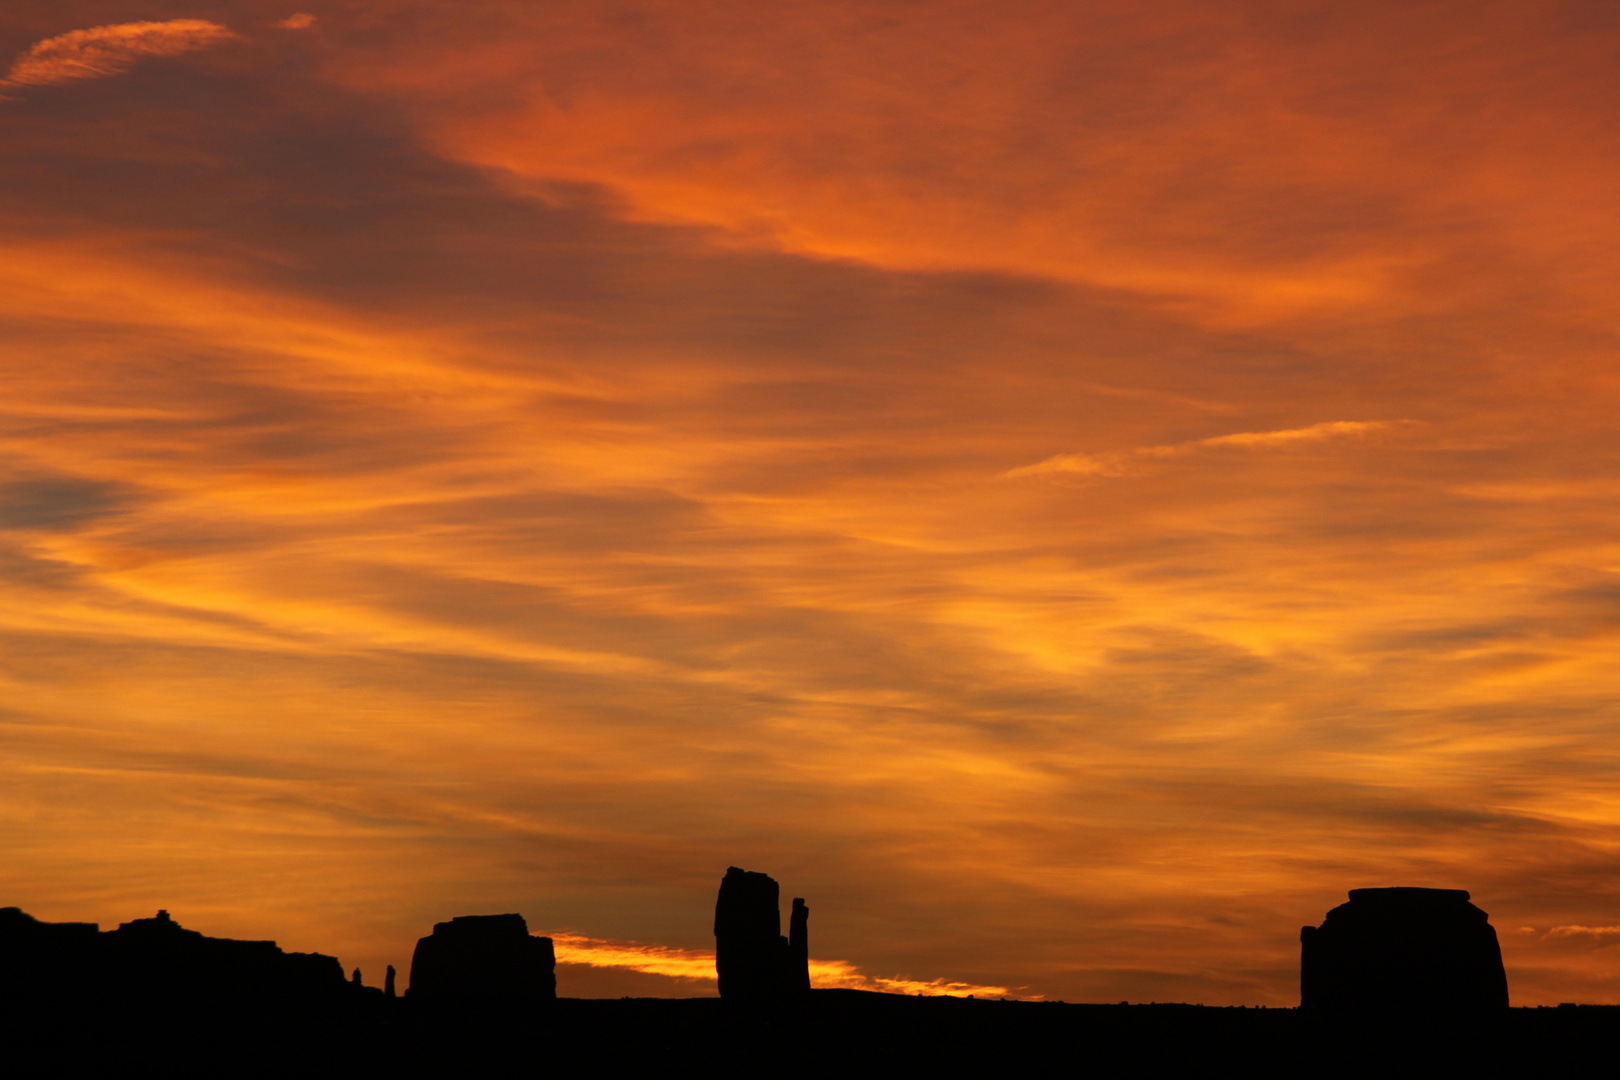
<point x="697" y="965"/>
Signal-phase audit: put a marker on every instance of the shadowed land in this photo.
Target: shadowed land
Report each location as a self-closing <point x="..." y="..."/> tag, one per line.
<point x="1395" y="982"/>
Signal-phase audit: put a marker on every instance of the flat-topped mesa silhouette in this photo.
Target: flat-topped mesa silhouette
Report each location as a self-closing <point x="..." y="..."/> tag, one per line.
<point x="753" y="961"/>
<point x="157" y="963"/>
<point x="483" y="960"/>
<point x="1402" y="949"/>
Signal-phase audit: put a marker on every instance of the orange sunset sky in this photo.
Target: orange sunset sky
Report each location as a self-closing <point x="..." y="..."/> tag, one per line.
<point x="1069" y="488"/>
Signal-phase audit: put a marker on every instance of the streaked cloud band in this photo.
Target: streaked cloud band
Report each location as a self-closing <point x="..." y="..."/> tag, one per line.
<point x="1121" y="463"/>
<point x="100" y="51"/>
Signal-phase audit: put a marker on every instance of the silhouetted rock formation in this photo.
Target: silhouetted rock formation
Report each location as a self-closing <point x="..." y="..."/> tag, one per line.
<point x="155" y="964"/>
<point x="1402" y="949"/>
<point x="483" y="960"/>
<point x="799" y="947"/>
<point x="388" y="982"/>
<point x="84" y="1002"/>
<point x="160" y="957"/>
<point x="752" y="959"/>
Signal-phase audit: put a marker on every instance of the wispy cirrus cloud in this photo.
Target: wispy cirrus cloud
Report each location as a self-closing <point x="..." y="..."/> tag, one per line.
<point x="697" y="965"/>
<point x="100" y="51"/>
<point x="1124" y="462"/>
<point x="388" y="543"/>
<point x="837" y="974"/>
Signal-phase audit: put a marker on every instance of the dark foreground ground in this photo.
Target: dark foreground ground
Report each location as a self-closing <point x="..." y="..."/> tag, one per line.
<point x="832" y="1033"/>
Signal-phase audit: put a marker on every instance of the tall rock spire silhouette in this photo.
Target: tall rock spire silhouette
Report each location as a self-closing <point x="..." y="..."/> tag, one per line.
<point x="799" y="947"/>
<point x="752" y="959"/>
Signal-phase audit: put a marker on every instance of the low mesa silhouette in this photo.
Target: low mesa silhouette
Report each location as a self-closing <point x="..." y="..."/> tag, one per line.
<point x="1400" y="981"/>
<point x="1402" y="949"/>
<point x="484" y="960"/>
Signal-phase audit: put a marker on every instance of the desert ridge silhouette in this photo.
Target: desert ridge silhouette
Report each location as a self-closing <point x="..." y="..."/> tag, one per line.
<point x="1396" y="982"/>
<point x="1402" y="950"/>
<point x="171" y="966"/>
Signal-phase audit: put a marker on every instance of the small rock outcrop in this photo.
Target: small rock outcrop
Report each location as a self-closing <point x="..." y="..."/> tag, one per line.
<point x="486" y="960"/>
<point x="752" y="959"/>
<point x="1402" y="949"/>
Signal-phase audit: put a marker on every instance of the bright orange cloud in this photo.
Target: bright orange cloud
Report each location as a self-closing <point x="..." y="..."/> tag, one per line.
<point x="108" y="50"/>
<point x="1244" y="166"/>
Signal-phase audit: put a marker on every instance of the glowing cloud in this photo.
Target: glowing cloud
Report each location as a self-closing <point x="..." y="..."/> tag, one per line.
<point x="836" y="974"/>
<point x="693" y="964"/>
<point x="109" y="50"/>
<point x="697" y="965"/>
<point x="1121" y="464"/>
<point x="301" y="21"/>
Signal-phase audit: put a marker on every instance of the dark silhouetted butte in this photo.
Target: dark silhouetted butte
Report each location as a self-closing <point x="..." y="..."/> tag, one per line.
<point x="1402" y="949"/>
<point x="483" y="960"/>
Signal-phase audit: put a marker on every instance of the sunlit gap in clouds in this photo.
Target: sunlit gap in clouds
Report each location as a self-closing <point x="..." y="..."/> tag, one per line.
<point x="697" y="966"/>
